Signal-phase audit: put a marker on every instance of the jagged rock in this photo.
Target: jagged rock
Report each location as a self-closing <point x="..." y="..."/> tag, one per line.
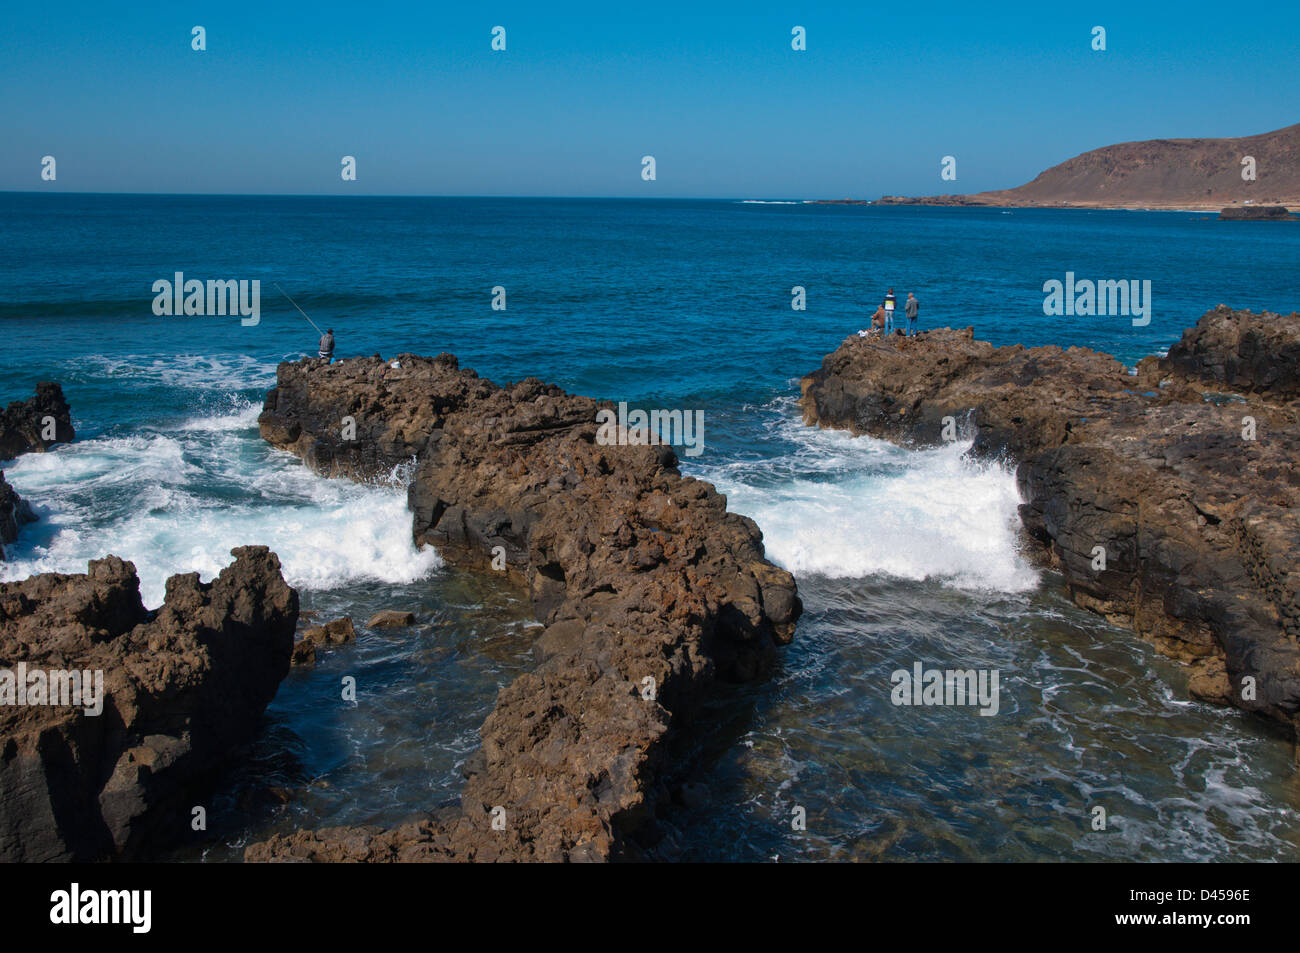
<point x="332" y="633"/>
<point x="183" y="687"/>
<point x="1192" y="509"/>
<point x="649" y="590"/>
<point x="25" y="425"/>
<point x="390" y="619"/>
<point x="1242" y="352"/>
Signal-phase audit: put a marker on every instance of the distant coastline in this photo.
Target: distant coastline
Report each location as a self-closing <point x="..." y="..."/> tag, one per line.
<point x="1188" y="175"/>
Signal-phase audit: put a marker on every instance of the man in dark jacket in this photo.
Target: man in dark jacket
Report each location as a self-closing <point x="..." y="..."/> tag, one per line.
<point x="912" y="306"/>
<point x="327" y="345"/>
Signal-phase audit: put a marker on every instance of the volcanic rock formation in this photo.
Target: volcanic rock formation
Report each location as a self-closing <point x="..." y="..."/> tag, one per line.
<point x="649" y="590"/>
<point x="1190" y="495"/>
<point x="37" y="423"/>
<point x="183" y="687"/>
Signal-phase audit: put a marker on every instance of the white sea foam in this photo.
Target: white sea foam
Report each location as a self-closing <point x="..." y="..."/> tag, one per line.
<point x="856" y="507"/>
<point x="179" y="501"/>
<point x="225" y="373"/>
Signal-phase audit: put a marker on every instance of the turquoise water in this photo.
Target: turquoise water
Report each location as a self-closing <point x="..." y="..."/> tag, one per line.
<point x="901" y="556"/>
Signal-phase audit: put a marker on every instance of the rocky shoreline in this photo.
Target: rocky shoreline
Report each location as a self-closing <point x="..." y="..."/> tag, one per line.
<point x="1166" y="499"/>
<point x="648" y="588"/>
<point x="115" y="720"/>
<point x="181" y="689"/>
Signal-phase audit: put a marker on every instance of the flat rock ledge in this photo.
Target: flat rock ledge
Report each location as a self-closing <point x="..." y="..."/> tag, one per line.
<point x="184" y="687"/>
<point x="1183" y="476"/>
<point x="648" y="588"/>
<point x="29" y="426"/>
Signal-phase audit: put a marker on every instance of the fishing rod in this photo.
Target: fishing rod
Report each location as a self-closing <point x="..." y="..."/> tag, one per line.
<point x="300" y="310"/>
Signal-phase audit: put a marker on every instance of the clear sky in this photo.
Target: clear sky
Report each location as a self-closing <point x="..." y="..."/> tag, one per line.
<point x="713" y="91"/>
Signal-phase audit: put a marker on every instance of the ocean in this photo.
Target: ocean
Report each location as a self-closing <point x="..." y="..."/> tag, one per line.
<point x="902" y="556"/>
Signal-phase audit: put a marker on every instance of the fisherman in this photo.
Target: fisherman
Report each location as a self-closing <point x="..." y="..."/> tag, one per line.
<point x="912" y="307"/>
<point x="878" y="320"/>
<point x="890" y="301"/>
<point x="327" y="345"/>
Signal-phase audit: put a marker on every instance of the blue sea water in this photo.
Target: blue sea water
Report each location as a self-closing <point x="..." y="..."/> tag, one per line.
<point x="901" y="556"/>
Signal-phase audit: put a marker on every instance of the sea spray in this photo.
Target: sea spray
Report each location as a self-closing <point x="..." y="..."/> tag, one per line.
<point x="856" y="507"/>
<point x="180" y="500"/>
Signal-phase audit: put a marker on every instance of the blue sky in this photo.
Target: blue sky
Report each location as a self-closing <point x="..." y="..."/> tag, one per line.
<point x="583" y="91"/>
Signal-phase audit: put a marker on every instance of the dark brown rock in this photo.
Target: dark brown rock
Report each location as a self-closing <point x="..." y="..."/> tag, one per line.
<point x="649" y="589"/>
<point x="332" y="633"/>
<point x="390" y="619"/>
<point x="184" y="687"/>
<point x="304" y="653"/>
<point x="37" y="423"/>
<point x="1193" y="509"/>
<point x="1241" y="352"/>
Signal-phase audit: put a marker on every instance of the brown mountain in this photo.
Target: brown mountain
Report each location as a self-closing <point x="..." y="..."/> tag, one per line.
<point x="1158" y="173"/>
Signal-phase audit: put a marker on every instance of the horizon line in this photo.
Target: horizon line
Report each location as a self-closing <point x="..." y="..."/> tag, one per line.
<point x="430" y="195"/>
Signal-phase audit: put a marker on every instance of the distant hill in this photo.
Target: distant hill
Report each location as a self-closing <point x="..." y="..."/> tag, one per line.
<point x="1158" y="173"/>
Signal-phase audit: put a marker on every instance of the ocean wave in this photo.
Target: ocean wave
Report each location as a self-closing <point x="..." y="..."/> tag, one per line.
<point x="179" y="501"/>
<point x="856" y="507"/>
<point x="225" y="373"/>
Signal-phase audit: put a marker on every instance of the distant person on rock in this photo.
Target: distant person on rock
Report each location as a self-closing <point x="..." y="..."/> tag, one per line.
<point x="911" y="308"/>
<point x="879" y="320"/>
<point x="327" y="345"/>
<point x="890" y="301"/>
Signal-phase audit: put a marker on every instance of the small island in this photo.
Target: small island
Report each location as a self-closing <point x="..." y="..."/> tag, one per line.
<point x="1257" y="213"/>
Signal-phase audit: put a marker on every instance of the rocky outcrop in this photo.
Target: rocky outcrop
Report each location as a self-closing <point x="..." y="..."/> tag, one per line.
<point x="182" y="688"/>
<point x="1241" y="352"/>
<point x="34" y="424"/>
<point x="390" y="619"/>
<point x="648" y="588"/>
<point x="37" y="423"/>
<point x="332" y="633"/>
<point x="14" y="512"/>
<point x="1166" y="507"/>
<point x="1257" y="213"/>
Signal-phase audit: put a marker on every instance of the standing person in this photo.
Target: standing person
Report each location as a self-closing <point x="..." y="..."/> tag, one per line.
<point x="911" y="307"/>
<point x="890" y="301"/>
<point x="327" y="345"/>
